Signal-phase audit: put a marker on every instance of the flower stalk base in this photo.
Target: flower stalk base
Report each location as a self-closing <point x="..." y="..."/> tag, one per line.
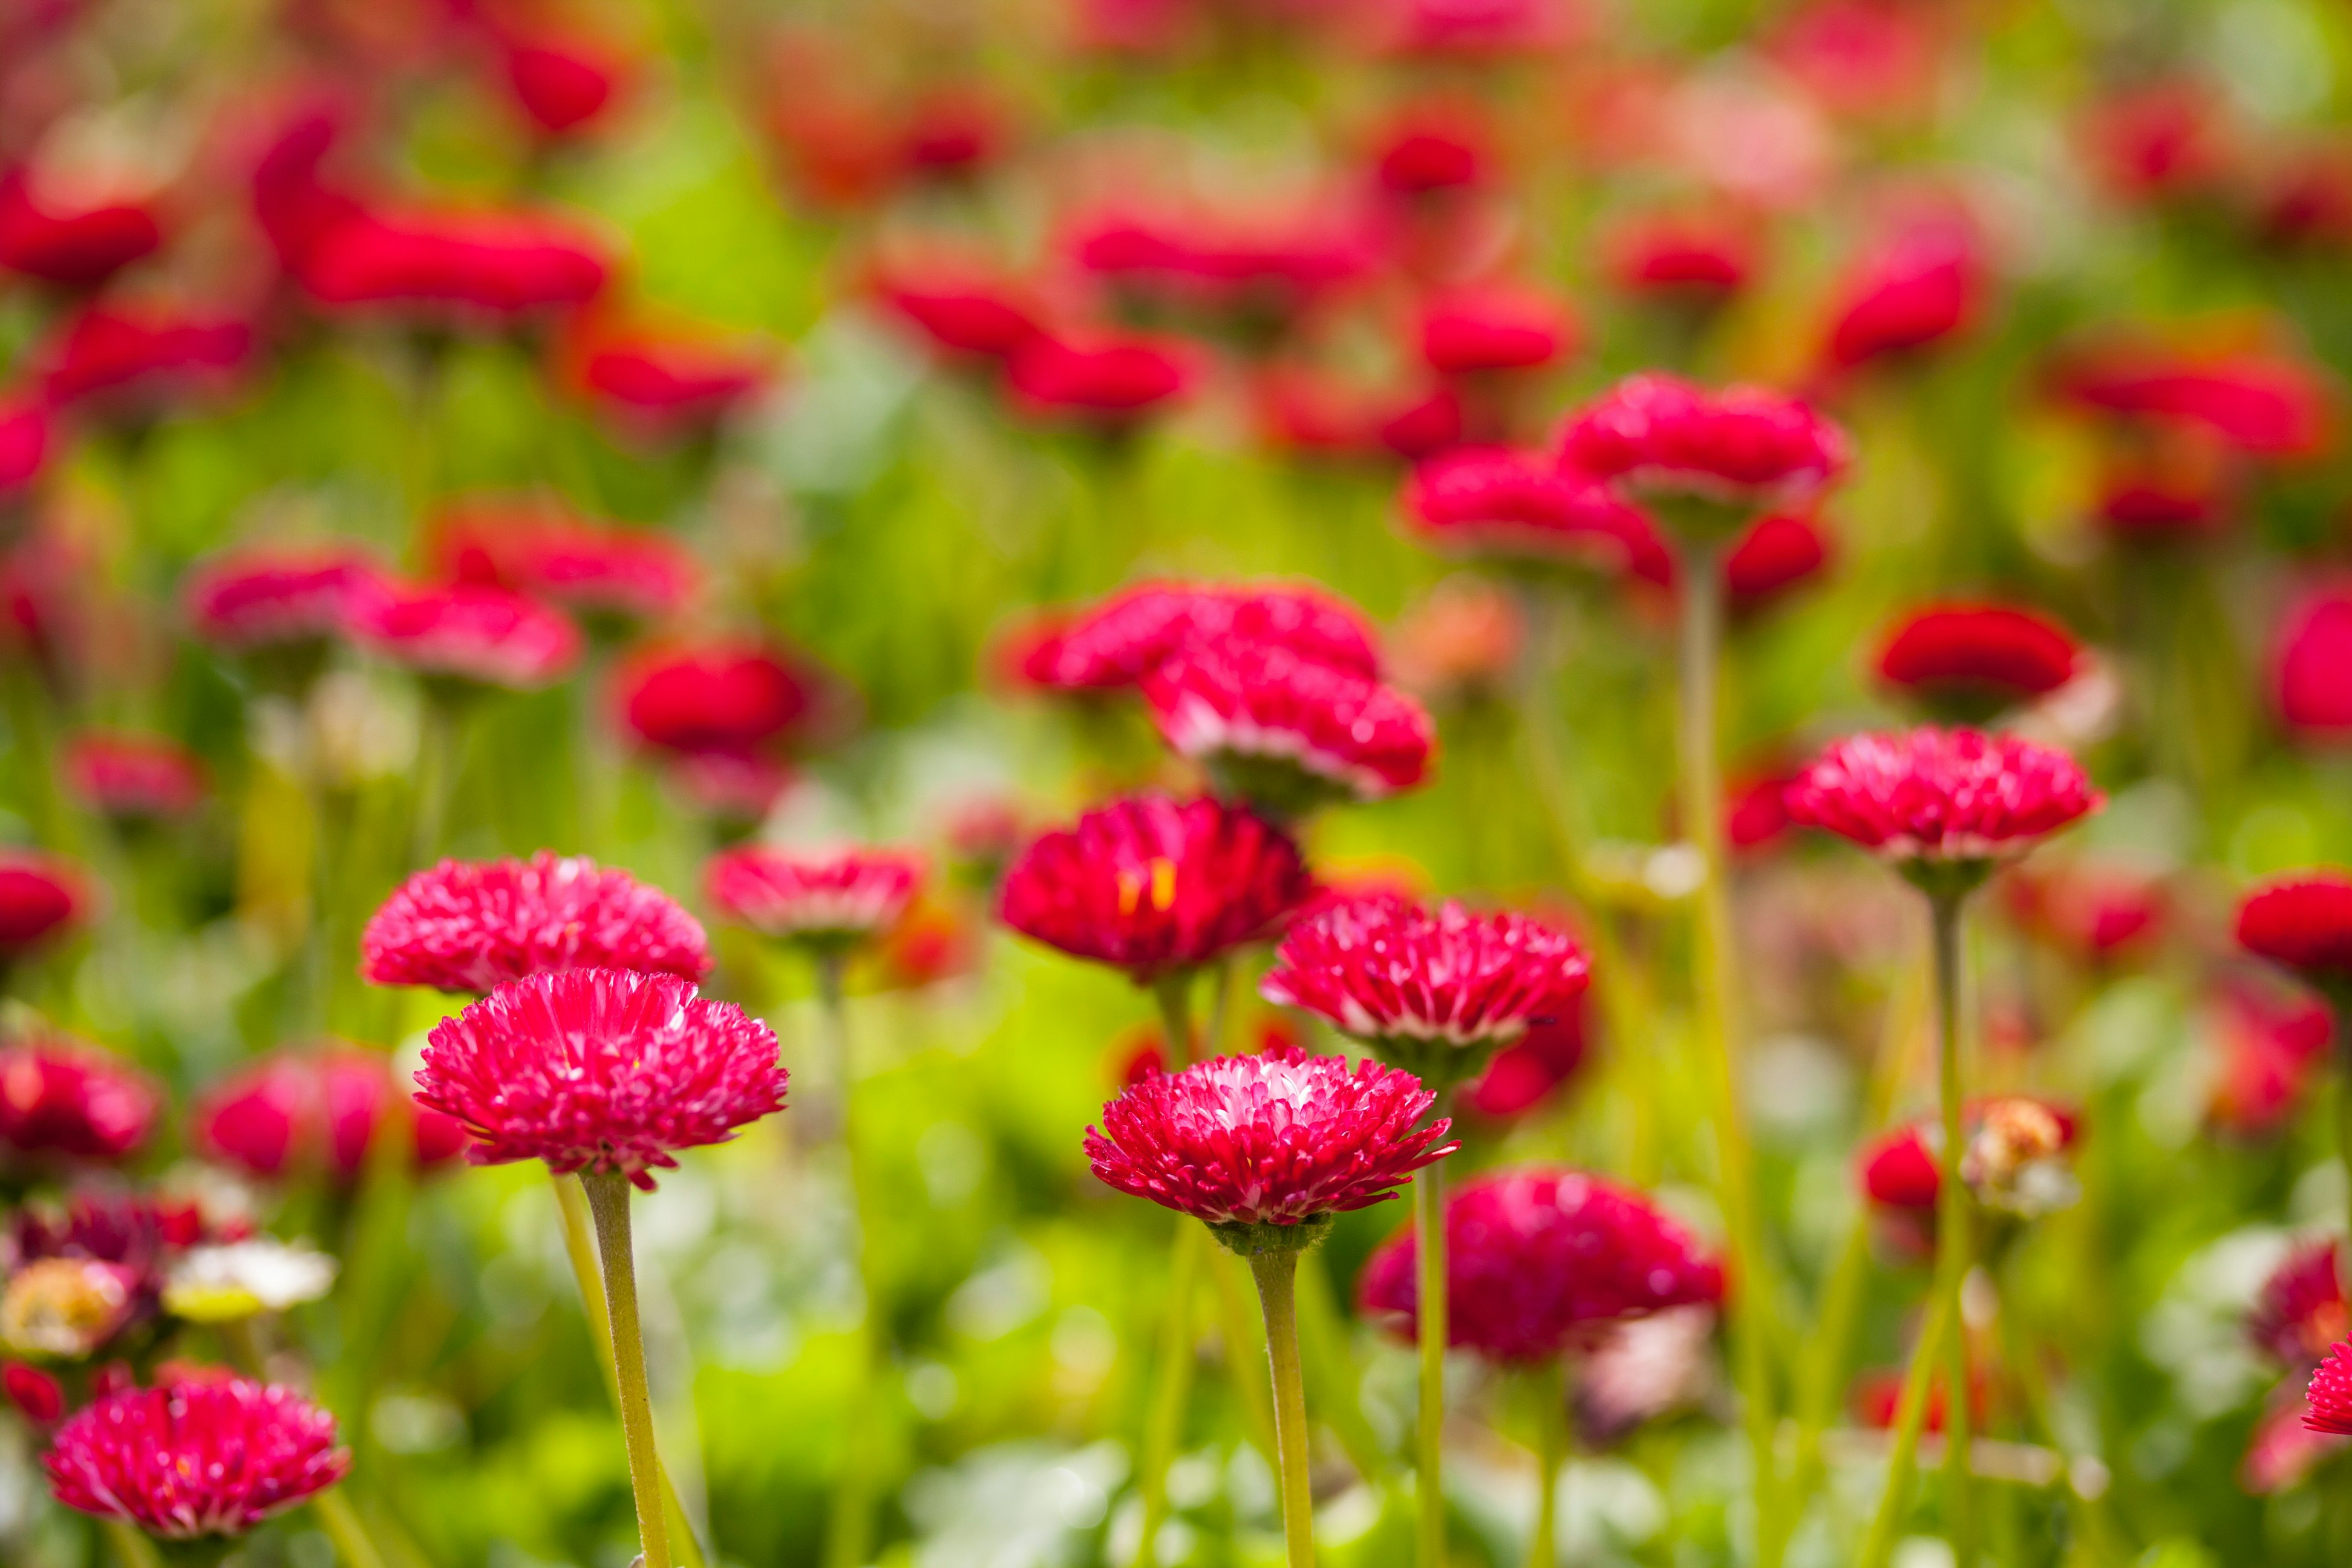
<point x="608" y="1203"/>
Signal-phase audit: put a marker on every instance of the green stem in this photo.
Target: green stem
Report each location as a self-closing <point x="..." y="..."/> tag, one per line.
<point x="1171" y="1386"/>
<point x="1232" y="1309"/>
<point x="1173" y="992"/>
<point x="608" y="1203"/>
<point x="342" y="1522"/>
<point x="1952" y="1227"/>
<point x="849" y="1532"/>
<point x="1702" y="815"/>
<point x="1551" y="1453"/>
<point x="1429" y="1221"/>
<point x="1910" y="1420"/>
<point x="1278" y="1277"/>
<point x="130" y="1544"/>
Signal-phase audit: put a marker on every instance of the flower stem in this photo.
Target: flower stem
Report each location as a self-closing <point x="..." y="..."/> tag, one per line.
<point x="1171" y="1386"/>
<point x="1702" y="819"/>
<point x="1278" y="1281"/>
<point x="1910" y="1419"/>
<point x="849" y="1530"/>
<point x="1547" y="1383"/>
<point x="342" y="1522"/>
<point x="1429" y="1221"/>
<point x="1952" y="1227"/>
<point x="1173" y="992"/>
<point x="608" y="1203"/>
<point x="130" y="1544"/>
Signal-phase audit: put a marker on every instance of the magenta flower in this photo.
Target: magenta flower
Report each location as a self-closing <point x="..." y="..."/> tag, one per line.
<point x="2303" y="922"/>
<point x="1978" y="657"/>
<point x="1536" y="1260"/>
<point x="1288" y="732"/>
<point x="1522" y="506"/>
<point x="1742" y="447"/>
<point x="267" y="596"/>
<point x="603" y="1070"/>
<point x="1124" y="638"/>
<point x="468" y="925"/>
<point x="1153" y="886"/>
<point x="594" y="570"/>
<point x="826" y="897"/>
<point x="1278" y="1139"/>
<point x="1941" y="797"/>
<point x="59" y="1098"/>
<point x="41" y="899"/>
<point x="2328" y="1400"/>
<point x="209" y="1457"/>
<point x="134" y="777"/>
<point x="472" y="632"/>
<point x="2301" y="1310"/>
<point x="314" y="1111"/>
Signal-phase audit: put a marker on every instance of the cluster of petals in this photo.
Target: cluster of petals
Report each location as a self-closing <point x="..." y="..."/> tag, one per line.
<point x="1941" y="795"/>
<point x="1536" y="1259"/>
<point x="1741" y="444"/>
<point x="1274" y="1138"/>
<point x="587" y="568"/>
<point x="1124" y="638"/>
<point x="1965" y="651"/>
<point x="822" y="896"/>
<point x="2311" y="664"/>
<point x="1914" y="286"/>
<point x="315" y="1112"/>
<point x="203" y="1457"/>
<point x="1256" y="704"/>
<point x="2266" y="405"/>
<point x="1100" y="378"/>
<point x="2300" y="1310"/>
<point x="1780" y="551"/>
<point x="59" y="1098"/>
<point x="605" y="1070"/>
<point x="1492" y="327"/>
<point x="2302" y="921"/>
<point x="1381" y="968"/>
<point x="468" y="925"/>
<point x="122" y="352"/>
<point x="2328" y="1398"/>
<point x="267" y="596"/>
<point x="132" y="776"/>
<point x="1152" y="886"/>
<point x="728" y="696"/>
<point x="472" y="632"/>
<point x="1520" y="505"/>
<point x="41" y="899"/>
<point x="71" y="244"/>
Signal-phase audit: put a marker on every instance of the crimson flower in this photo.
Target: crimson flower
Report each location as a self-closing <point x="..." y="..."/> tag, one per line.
<point x="1381" y="969"/>
<point x="134" y="777"/>
<point x="2014" y="1160"/>
<point x="77" y="248"/>
<point x="1778" y="553"/>
<point x="2302" y="921"/>
<point x="2312" y="669"/>
<point x="1975" y="659"/>
<point x="59" y="1098"/>
<point x="2301" y="1310"/>
<point x="1492" y="327"/>
<point x="314" y="1110"/>
<point x="1931" y="797"/>
<point x="468" y="925"/>
<point x="2263" y="404"/>
<point x="41" y="898"/>
<point x="126" y="353"/>
<point x="2272" y="1040"/>
<point x="1124" y="638"/>
<point x="604" y="1071"/>
<point x="660" y="387"/>
<point x="210" y="1456"/>
<point x="1433" y="148"/>
<point x="471" y="633"/>
<point x="2329" y="1397"/>
<point x="39" y="1398"/>
<point x="493" y="264"/>
<point x="1912" y="287"/>
<point x="962" y="309"/>
<point x="1496" y="501"/>
<point x="1277" y="727"/>
<point x="562" y="83"/>
<point x="1701" y="258"/>
<point x="26" y="426"/>
<point x="2098" y="909"/>
<point x="1257" y="272"/>
<point x="1526" y="1072"/>
<point x="1741" y="448"/>
<point x="2165" y="499"/>
<point x="1153" y="886"/>
<point x="1536" y="1260"/>
<point x="591" y="569"/>
<point x="1105" y="380"/>
<point x="262" y="596"/>
<point x="1281" y="1138"/>
<point x="728" y="696"/>
<point x="824" y="899"/>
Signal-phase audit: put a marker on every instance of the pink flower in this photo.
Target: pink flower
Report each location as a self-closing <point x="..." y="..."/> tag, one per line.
<point x="2312" y="667"/>
<point x="1153" y="886"/>
<point x="1493" y="501"/>
<point x="1702" y="256"/>
<point x="1278" y="1139"/>
<point x="78" y="247"/>
<point x="473" y="633"/>
<point x="604" y="1071"/>
<point x="1121" y="641"/>
<point x="210" y="1457"/>
<point x="1105" y="379"/>
<point x="1384" y="970"/>
<point x="2282" y="1450"/>
<point x="314" y="1111"/>
<point x="2265" y="405"/>
<point x="1778" y="553"/>
<point x="664" y="387"/>
<point x="1740" y="447"/>
<point x="41" y="899"/>
<point x="134" y="777"/>
<point x="1977" y="657"/>
<point x="2302" y="921"/>
<point x="2301" y="1310"/>
<point x="588" y="568"/>
<point x="262" y="596"/>
<point x="1942" y="796"/>
<point x="1526" y="1072"/>
<point x="1492" y="327"/>
<point x="1538" y="1261"/>
<point x="60" y="1099"/>
<point x="2329" y="1397"/>
<point x="468" y="925"/>
<point x="1276" y="725"/>
<point x="961" y="308"/>
<point x="828" y="899"/>
<point x="562" y="83"/>
<point x="726" y="696"/>
<point x="1915" y="286"/>
<point x="129" y="354"/>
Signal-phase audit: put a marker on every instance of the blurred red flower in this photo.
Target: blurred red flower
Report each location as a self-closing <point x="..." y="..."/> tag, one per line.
<point x="122" y="353"/>
<point x="825" y="898"/>
<point x="1527" y="1072"/>
<point x="2312" y="666"/>
<point x="315" y="1112"/>
<point x="562" y="83"/>
<point x="1916" y="284"/>
<point x="2301" y="1310"/>
<point x="1702" y="256"/>
<point x="256" y="596"/>
<point x="1931" y="796"/>
<point x="77" y="248"/>
<point x="194" y="1459"/>
<point x="41" y="899"/>
<point x="1106" y="379"/>
<point x="1780" y="552"/>
<point x="2266" y="405"/>
<point x="1740" y="447"/>
<point x="594" y="570"/>
<point x="2302" y="921"/>
<point x="1494" y="327"/>
<point x="1289" y="730"/>
<point x="1975" y="659"/>
<point x="468" y="925"/>
<point x="133" y="777"/>
<point x="60" y="1099"/>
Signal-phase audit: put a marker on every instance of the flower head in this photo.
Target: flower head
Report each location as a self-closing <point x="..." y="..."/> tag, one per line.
<point x="1496" y="501"/>
<point x="657" y="387"/>
<point x="137" y="778"/>
<point x="2262" y="405"/>
<point x="1492" y="327"/>
<point x="61" y="1100"/>
<point x="726" y="697"/>
<point x="66" y="1308"/>
<point x="313" y="1112"/>
<point x="1702" y="257"/>
<point x="1975" y="660"/>
<point x="472" y="632"/>
<point x="1941" y="797"/>
<point x="961" y="308"/>
<point x="1124" y="638"/>
<point x="136" y="357"/>
<point x="269" y="595"/>
<point x="209" y="1457"/>
<point x="1742" y="447"/>
<point x="1384" y="970"/>
<point x="2328" y="1400"/>
<point x="844" y="896"/>
<point x="75" y="246"/>
<point x="605" y="1070"/>
<point x="1276" y="727"/>
<point x="2301" y="1310"/>
<point x="1276" y="1139"/>
<point x="2311" y="680"/>
<point x="2302" y="921"/>
<point x="1526" y="1072"/>
<point x="1108" y="380"/>
<point x="1536" y="1260"/>
<point x="562" y="83"/>
<point x="468" y="925"/>
<point x="1919" y="283"/>
<point x="2015" y="1159"/>
<point x="41" y="899"/>
<point x="588" y="568"/>
<point x="1151" y="886"/>
<point x="1779" y="553"/>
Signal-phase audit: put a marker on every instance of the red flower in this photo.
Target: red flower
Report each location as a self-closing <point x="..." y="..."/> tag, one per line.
<point x="24" y="429"/>
<point x="2179" y="492"/>
<point x="1280" y="726"/>
<point x="2329" y="1397"/>
<point x="40" y="1398"/>
<point x="1756" y="815"/>
<point x="1977" y="657"/>
<point x="468" y="925"/>
<point x="2301" y="1310"/>
<point x="1257" y="272"/>
<point x="2312" y="677"/>
<point x="961" y="308"/>
<point x="136" y="777"/>
<point x="1478" y="28"/>
<point x="1536" y="1260"/>
<point x="726" y="697"/>
<point x="667" y="386"/>
<point x="1526" y="1072"/>
<point x="2161" y="142"/>
<point x="1921" y="283"/>
<point x="1703" y="257"/>
<point x="1276" y="1139"/>
<point x="824" y="898"/>
<point x="60" y="1099"/>
<point x="213" y="1457"/>
<point x="2098" y="909"/>
<point x="41" y="899"/>
<point x="1490" y="501"/>
<point x="588" y="568"/>
<point x="2273" y="1040"/>
<point x="2014" y="1159"/>
<point x="1901" y="1171"/>
<point x="1106" y="379"/>
<point x="2265" y="405"/>
<point x="1778" y="553"/>
<point x="605" y="1070"/>
<point x="1742" y="445"/>
<point x="314" y="1111"/>
<point x="1153" y="886"/>
<point x="1432" y="148"/>
<point x="1870" y="58"/>
<point x="562" y="83"/>
<point x="118" y="353"/>
<point x="1124" y="638"/>
<point x="496" y="264"/>
<point x="78" y="248"/>
<point x="1940" y="796"/>
<point x="263" y="596"/>
<point x="1384" y="970"/>
<point x="954" y="130"/>
<point x="2302" y="921"/>
<point x="471" y="632"/>
<point x="1492" y="327"/>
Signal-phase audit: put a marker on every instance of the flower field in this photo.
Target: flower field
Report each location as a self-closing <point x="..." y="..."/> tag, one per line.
<point x="1175" y="784"/>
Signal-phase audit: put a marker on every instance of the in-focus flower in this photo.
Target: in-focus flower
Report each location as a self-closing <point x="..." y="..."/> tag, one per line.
<point x="1492" y="327"/>
<point x="133" y="357"/>
<point x="66" y="1308"/>
<point x="2329" y="1397"/>
<point x="1153" y="886"/>
<point x="266" y="596"/>
<point x="1103" y="380"/>
<point x="62" y="1099"/>
<point x="1521" y="506"/>
<point x="220" y="1284"/>
<point x="1287" y="731"/>
<point x="199" y="1458"/>
<point x="75" y="246"/>
<point x="474" y="634"/>
<point x="41" y="899"/>
<point x="602" y="572"/>
<point x="1538" y="1261"/>
<point x="468" y="925"/>
<point x="1739" y="450"/>
<point x="1932" y="798"/>
<point x="1281" y="1138"/>
<point x="314" y="1111"/>
<point x="1974" y="660"/>
<point x="135" y="778"/>
<point x="610" y="1071"/>
<point x="1119" y="641"/>
<point x="2304" y="922"/>
<point x="2301" y="1310"/>
<point x="2312" y="667"/>
<point x="828" y="899"/>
